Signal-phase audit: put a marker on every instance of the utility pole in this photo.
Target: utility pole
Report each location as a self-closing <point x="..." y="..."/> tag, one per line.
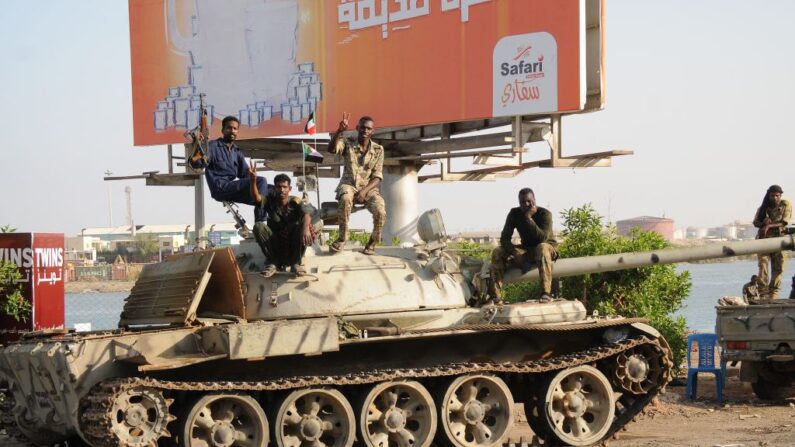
<point x="110" y="205"/>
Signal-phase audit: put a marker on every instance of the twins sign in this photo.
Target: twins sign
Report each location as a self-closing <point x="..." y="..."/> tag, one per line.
<point x="525" y="75"/>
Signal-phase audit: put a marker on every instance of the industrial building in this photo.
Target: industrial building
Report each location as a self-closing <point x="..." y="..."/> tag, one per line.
<point x="661" y="225"/>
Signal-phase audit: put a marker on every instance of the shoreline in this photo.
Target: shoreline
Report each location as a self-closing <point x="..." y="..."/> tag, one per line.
<point x="98" y="286"/>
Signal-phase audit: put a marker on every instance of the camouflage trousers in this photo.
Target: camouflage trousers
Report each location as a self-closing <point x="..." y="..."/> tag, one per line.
<point x="282" y="249"/>
<point x="771" y="280"/>
<point x="374" y="203"/>
<point x="543" y="256"/>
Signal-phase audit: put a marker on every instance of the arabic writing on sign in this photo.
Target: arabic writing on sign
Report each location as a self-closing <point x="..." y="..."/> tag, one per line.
<point x="360" y="14"/>
<point x="54" y="278"/>
<point x="25" y="278"/>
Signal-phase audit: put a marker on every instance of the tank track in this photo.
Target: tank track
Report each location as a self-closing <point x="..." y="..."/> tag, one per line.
<point x="7" y="422"/>
<point x="96" y="417"/>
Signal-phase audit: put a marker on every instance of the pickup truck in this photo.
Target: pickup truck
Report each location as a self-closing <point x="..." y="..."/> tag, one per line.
<point x="762" y="338"/>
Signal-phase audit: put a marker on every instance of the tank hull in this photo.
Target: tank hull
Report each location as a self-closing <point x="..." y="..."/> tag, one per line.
<point x="80" y="380"/>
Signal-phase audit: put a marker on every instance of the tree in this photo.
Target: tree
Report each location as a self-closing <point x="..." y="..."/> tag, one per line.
<point x="12" y="302"/>
<point x="653" y="292"/>
<point x="145" y="245"/>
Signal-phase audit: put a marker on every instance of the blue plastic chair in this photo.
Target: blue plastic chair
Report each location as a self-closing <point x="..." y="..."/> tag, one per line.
<point x="706" y="344"/>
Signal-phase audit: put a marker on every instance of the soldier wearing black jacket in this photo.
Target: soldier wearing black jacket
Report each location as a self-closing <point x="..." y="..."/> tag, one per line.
<point x="534" y="225"/>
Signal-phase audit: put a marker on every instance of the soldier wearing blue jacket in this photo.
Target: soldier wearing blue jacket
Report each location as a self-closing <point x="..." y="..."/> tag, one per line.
<point x="226" y="169"/>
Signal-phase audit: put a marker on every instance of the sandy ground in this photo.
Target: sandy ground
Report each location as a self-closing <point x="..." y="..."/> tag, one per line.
<point x="742" y="419"/>
<point x="98" y="286"/>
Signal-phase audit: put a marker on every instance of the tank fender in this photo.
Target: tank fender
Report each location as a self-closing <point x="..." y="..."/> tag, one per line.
<point x="645" y="328"/>
<point x="261" y="339"/>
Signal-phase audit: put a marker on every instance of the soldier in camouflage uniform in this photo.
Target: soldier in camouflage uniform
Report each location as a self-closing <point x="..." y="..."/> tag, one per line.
<point x="771" y="218"/>
<point x="364" y="161"/>
<point x="538" y="245"/>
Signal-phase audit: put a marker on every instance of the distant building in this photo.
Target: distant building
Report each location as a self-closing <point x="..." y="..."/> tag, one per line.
<point x="661" y="225"/>
<point x="481" y="237"/>
<point x="170" y="238"/>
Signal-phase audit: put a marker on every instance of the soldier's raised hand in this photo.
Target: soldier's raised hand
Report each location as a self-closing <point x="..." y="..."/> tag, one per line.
<point x="346" y="117"/>
<point x="252" y="171"/>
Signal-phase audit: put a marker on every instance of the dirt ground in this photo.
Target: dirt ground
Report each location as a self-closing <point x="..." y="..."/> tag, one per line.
<point x="742" y="419"/>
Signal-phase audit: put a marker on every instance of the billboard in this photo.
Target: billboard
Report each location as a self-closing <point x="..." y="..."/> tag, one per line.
<point x="40" y="259"/>
<point x="405" y="62"/>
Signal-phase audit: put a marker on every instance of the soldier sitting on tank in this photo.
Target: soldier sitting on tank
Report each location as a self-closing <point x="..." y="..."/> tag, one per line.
<point x="751" y="289"/>
<point x="538" y="246"/>
<point x="225" y="169"/>
<point x="284" y="238"/>
<point x="364" y="161"/>
<point x="771" y="218"/>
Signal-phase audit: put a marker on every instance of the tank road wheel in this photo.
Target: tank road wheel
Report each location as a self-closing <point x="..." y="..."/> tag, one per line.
<point x="578" y="406"/>
<point x="639" y="370"/>
<point x="314" y="417"/>
<point x="225" y="420"/>
<point x="139" y="417"/>
<point x="397" y="414"/>
<point x="477" y="410"/>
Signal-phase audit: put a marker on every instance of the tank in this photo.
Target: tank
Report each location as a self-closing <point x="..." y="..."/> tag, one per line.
<point x="378" y="351"/>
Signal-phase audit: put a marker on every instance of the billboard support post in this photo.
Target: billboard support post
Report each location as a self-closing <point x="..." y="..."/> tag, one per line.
<point x="555" y="141"/>
<point x="401" y="192"/>
<point x="198" y="202"/>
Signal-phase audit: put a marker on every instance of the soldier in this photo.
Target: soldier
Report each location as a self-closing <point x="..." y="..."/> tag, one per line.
<point x="288" y="231"/>
<point x="226" y="169"/>
<point x="364" y="160"/>
<point x="751" y="289"/>
<point x="534" y="225"/>
<point x="771" y="218"/>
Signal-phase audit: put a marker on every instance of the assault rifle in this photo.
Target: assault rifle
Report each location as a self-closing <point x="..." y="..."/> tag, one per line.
<point x="200" y="135"/>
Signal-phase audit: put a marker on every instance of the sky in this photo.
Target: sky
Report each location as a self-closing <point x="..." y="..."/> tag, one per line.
<point x="702" y="92"/>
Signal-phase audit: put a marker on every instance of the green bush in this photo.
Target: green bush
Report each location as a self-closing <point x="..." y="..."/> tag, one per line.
<point x="353" y="236"/>
<point x="653" y="292"/>
<point x="12" y="302"/>
<point x="470" y="249"/>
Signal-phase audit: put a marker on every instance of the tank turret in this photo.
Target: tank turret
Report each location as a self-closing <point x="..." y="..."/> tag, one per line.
<point x="378" y="351"/>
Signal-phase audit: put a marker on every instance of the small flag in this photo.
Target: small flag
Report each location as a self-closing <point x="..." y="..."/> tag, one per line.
<point x="310" y="124"/>
<point x="310" y="154"/>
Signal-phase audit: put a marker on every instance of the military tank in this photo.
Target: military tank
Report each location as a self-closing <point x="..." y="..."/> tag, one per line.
<point x="380" y="351"/>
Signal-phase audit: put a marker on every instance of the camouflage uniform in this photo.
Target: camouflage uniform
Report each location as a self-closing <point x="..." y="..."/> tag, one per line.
<point x="359" y="169"/>
<point x="778" y="214"/>
<point x="538" y="248"/>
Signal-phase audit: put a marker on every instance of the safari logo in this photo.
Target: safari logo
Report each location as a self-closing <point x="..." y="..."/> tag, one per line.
<point x="525" y="75"/>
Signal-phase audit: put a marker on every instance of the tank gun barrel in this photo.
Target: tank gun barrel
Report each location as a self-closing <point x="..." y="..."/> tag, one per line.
<point x="624" y="261"/>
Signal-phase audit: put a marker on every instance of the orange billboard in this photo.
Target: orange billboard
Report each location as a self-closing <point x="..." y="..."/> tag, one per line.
<point x="404" y="62"/>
